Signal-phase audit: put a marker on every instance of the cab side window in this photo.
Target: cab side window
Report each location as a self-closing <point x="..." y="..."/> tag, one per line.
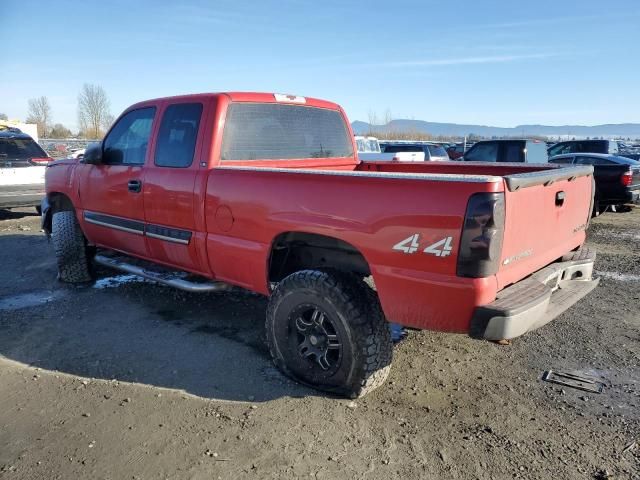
<point x="513" y="152"/>
<point x="483" y="152"/>
<point x="560" y="148"/>
<point x="177" y="136"/>
<point x="127" y="142"/>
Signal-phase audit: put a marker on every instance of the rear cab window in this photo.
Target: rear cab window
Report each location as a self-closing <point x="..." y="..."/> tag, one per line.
<point x="403" y="148"/>
<point x="18" y="150"/>
<point x="269" y="131"/>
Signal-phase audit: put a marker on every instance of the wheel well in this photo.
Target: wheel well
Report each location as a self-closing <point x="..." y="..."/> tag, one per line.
<point x="58" y="202"/>
<point x="294" y="251"/>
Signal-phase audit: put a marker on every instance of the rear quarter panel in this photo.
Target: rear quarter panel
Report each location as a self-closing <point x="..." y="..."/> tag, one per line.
<point x="247" y="209"/>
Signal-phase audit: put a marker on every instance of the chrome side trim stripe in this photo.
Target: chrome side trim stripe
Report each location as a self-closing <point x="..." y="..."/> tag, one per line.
<point x="168" y="239"/>
<point x="159" y="232"/>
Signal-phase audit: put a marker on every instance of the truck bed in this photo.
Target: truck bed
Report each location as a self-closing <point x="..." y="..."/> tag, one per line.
<point x="376" y="205"/>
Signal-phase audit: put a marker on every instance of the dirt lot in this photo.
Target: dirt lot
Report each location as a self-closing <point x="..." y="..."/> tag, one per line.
<point x="127" y="379"/>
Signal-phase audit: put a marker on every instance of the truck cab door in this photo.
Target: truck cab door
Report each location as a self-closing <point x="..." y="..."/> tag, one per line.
<point x="111" y="192"/>
<point x="175" y="185"/>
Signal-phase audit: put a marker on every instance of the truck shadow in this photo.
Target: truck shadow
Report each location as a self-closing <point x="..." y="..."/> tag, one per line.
<point x="209" y="345"/>
<point x="18" y="213"/>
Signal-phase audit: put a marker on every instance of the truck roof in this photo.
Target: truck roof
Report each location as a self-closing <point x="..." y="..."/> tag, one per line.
<point x="256" y="97"/>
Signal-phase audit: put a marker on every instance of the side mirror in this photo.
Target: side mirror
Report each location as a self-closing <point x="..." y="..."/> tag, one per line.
<point x="93" y="154"/>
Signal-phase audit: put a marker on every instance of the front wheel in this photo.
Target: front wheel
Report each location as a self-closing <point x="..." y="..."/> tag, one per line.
<point x="70" y="248"/>
<point x="326" y="329"/>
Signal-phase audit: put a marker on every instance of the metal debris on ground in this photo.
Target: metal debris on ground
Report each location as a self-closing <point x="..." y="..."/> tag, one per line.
<point x="581" y="382"/>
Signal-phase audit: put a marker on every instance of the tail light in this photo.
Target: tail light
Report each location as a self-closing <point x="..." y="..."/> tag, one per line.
<point x="482" y="233"/>
<point x="40" y="161"/>
<point x="627" y="178"/>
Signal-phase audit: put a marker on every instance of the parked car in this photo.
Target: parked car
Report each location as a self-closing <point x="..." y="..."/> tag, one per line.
<point x="368" y="148"/>
<point x="609" y="147"/>
<point x="22" y="169"/>
<point x="430" y="152"/>
<point x="77" y="153"/>
<point x="519" y="151"/>
<point x="617" y="178"/>
<point x="455" y="151"/>
<point x="268" y="195"/>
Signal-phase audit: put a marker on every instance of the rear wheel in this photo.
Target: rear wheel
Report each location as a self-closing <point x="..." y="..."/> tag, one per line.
<point x="326" y="329"/>
<point x="70" y="248"/>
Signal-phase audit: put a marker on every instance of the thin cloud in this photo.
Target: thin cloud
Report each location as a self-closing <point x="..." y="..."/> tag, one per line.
<point x="462" y="61"/>
<point x="556" y="20"/>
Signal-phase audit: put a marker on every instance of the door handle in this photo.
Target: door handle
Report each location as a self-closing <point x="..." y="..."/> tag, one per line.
<point x="134" y="186"/>
<point x="560" y="198"/>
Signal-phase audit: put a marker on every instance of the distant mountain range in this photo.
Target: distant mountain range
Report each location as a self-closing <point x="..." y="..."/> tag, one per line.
<point x="625" y="130"/>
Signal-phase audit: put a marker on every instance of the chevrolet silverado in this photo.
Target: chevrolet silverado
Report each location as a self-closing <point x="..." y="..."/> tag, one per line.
<point x="266" y="192"/>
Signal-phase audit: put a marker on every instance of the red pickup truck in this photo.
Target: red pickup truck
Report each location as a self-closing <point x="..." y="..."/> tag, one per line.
<point x="265" y="192"/>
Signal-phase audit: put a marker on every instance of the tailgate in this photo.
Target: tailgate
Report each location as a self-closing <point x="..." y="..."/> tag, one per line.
<point x="546" y="216"/>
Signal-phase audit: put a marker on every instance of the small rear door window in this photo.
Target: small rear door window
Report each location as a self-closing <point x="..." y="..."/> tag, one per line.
<point x="270" y="131"/>
<point x="178" y="134"/>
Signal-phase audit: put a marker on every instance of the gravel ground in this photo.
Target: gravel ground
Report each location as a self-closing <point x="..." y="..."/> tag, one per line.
<point x="127" y="379"/>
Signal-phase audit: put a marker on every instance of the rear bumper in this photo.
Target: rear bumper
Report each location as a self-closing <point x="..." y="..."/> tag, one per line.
<point x="536" y="300"/>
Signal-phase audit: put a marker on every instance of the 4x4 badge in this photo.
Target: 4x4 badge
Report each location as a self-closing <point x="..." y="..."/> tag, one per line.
<point x="441" y="248"/>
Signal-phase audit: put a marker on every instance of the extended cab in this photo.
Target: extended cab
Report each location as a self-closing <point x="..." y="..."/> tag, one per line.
<point x="265" y="192"/>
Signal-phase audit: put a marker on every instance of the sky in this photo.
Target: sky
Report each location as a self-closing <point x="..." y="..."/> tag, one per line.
<point x="499" y="63"/>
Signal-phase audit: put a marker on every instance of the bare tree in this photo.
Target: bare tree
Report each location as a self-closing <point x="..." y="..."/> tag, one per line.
<point x="3" y="116"/>
<point x="373" y="121"/>
<point x="388" y="117"/>
<point x="93" y="111"/>
<point x="40" y="114"/>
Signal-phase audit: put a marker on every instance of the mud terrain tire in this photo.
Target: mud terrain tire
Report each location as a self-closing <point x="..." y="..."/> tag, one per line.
<point x="70" y="248"/>
<point x="326" y="329"/>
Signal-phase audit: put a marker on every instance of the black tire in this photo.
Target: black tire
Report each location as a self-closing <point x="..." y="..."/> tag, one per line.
<point x="70" y="248"/>
<point x="597" y="209"/>
<point x="352" y="351"/>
